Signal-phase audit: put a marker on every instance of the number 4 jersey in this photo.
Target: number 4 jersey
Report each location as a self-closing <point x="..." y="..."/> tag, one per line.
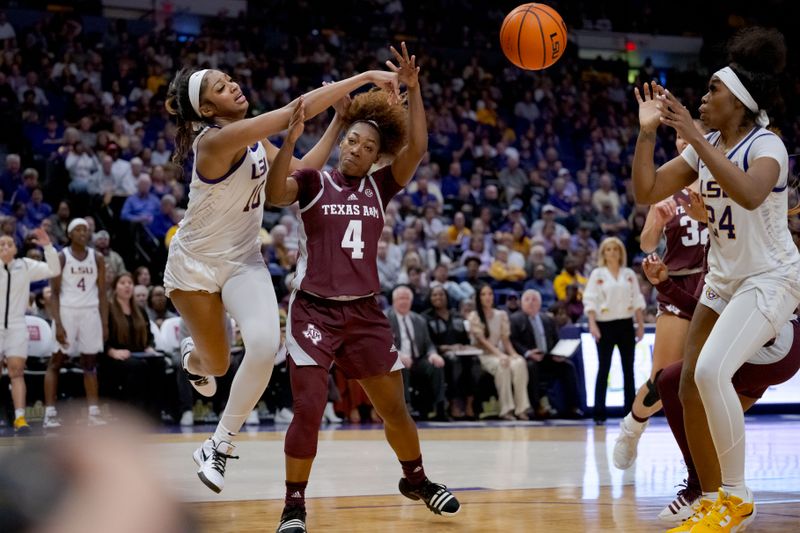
<point x="341" y="220"/>
<point x="79" y="280"/>
<point x="745" y="243"/>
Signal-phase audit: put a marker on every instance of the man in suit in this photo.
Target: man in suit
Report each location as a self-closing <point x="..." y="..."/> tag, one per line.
<point x="533" y="336"/>
<point x="424" y="368"/>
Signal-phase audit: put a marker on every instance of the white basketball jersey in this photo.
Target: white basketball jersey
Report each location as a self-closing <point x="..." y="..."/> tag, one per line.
<point x="225" y="214"/>
<point x="79" y="280"/>
<point x="745" y="243"/>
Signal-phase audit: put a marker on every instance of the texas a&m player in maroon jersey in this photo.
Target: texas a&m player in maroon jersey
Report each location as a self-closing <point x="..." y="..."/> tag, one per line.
<point x="686" y="240"/>
<point x="333" y="314"/>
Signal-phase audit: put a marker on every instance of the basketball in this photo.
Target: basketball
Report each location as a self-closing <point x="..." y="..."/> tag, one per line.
<point x="533" y="36"/>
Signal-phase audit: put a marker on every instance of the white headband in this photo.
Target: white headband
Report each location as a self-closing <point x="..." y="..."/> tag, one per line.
<point x="195" y="81"/>
<point x="734" y="84"/>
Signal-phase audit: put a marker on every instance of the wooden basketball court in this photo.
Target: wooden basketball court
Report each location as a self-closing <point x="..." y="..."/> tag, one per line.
<point x="515" y="477"/>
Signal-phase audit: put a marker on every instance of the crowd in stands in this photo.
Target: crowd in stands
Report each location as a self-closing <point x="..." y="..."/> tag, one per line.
<point x="527" y="173"/>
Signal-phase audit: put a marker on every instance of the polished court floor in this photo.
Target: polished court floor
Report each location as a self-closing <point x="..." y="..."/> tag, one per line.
<point x="509" y="477"/>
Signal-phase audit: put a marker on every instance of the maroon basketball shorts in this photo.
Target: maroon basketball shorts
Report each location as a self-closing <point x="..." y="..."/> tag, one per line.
<point x="354" y="334"/>
<point x="687" y="283"/>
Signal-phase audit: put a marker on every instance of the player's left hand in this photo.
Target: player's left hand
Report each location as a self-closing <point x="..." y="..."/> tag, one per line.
<point x="654" y="269"/>
<point x="406" y="68"/>
<point x="695" y="207"/>
<point x="40" y="237"/>
<point x="296" y="123"/>
<point x="675" y="115"/>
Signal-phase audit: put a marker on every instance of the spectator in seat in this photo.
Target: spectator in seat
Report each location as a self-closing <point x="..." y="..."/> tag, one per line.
<point x="458" y="230"/>
<point x="114" y="263"/>
<point x="533" y="335"/>
<point x="490" y="331"/>
<point x="502" y="271"/>
<point x="568" y="276"/>
<point x="36" y="209"/>
<point x="166" y="217"/>
<point x="542" y="285"/>
<point x="143" y="206"/>
<point x="424" y="367"/>
<point x="11" y="178"/>
<point x="130" y="368"/>
<point x="449" y="335"/>
<point x="157" y="309"/>
<point x="140" y="295"/>
<point x="141" y="276"/>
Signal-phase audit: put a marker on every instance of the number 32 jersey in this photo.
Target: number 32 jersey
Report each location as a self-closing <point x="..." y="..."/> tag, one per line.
<point x="341" y="220"/>
<point x="745" y="243"/>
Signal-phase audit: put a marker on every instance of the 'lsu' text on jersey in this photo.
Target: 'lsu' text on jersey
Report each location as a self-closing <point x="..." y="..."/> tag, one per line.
<point x="745" y="243"/>
<point x="79" y="280"/>
<point x="341" y="221"/>
<point x="224" y="215"/>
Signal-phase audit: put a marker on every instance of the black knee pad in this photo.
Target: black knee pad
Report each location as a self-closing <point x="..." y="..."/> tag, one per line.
<point x="652" y="397"/>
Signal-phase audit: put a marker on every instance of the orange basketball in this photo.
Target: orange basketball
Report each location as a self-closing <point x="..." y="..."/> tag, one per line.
<point x="533" y="36"/>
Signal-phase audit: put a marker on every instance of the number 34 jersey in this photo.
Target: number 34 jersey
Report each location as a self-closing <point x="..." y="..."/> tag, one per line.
<point x="745" y="243"/>
<point x="341" y="220"/>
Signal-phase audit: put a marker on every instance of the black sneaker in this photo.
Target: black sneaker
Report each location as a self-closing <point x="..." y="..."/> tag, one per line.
<point x="435" y="495"/>
<point x="293" y="520"/>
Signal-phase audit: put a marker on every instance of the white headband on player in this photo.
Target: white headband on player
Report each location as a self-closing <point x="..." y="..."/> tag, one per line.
<point x="195" y="81"/>
<point x="734" y="84"/>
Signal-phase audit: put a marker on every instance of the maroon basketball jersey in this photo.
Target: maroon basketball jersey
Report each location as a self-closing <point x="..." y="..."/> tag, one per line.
<point x="341" y="220"/>
<point x="686" y="240"/>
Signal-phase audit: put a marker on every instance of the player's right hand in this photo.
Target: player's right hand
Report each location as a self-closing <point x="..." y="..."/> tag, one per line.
<point x="649" y="114"/>
<point x="665" y="210"/>
<point x="388" y="81"/>
<point x="296" y="123"/>
<point x="654" y="269"/>
<point x="61" y="335"/>
<point x="695" y="207"/>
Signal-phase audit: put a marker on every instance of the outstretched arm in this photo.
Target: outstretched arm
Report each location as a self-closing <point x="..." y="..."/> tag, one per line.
<point x="281" y="189"/>
<point x="407" y="160"/>
<point x="233" y="137"/>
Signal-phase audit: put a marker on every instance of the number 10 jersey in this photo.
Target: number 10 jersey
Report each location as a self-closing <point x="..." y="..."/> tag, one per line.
<point x="341" y="220"/>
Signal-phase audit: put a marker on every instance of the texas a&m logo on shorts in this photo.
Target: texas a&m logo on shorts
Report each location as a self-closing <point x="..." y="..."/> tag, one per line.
<point x="312" y="333"/>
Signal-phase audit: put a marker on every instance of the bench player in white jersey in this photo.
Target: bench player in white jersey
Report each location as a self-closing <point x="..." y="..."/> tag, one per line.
<point x="751" y="288"/>
<point x="15" y="282"/>
<point x="214" y="262"/>
<point x="80" y="311"/>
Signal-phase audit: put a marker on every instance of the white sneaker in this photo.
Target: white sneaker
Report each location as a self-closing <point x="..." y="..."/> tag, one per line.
<point x="51" y="422"/>
<point x="205" y="385"/>
<point x="682" y="507"/>
<point x="253" y="419"/>
<point x="625" y="448"/>
<point x="187" y="418"/>
<point x="330" y="415"/>
<point x="212" y="457"/>
<point x="96" y="420"/>
<point x="284" y="416"/>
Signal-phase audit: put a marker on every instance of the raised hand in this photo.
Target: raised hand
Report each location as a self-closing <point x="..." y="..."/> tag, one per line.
<point x="655" y="269"/>
<point x="649" y="113"/>
<point x="695" y="207"/>
<point x="665" y="210"/>
<point x="296" y="123"/>
<point x="406" y="68"/>
<point x="675" y="115"/>
<point x="40" y="237"/>
<point x="388" y="81"/>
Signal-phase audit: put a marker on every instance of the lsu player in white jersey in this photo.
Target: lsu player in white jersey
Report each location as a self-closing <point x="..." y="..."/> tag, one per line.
<point x="80" y="313"/>
<point x="752" y="286"/>
<point x="214" y="263"/>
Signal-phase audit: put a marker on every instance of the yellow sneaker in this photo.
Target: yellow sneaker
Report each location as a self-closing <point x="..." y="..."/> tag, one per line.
<point x="701" y="508"/>
<point x="21" y="426"/>
<point x="729" y="514"/>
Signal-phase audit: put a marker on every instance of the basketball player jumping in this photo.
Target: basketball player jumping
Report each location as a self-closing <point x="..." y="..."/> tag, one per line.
<point x="333" y="313"/>
<point x="751" y="288"/>
<point x="214" y="263"/>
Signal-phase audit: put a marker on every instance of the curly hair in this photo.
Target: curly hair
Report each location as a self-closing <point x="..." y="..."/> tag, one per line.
<point x="179" y="105"/>
<point x="391" y="119"/>
<point x="758" y="56"/>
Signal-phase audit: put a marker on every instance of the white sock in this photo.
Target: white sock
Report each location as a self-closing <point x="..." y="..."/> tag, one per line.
<point x="634" y="425"/>
<point x="740" y="491"/>
<point x="223" y="434"/>
<point x="50" y="410"/>
<point x="94" y="410"/>
<point x="19" y="412"/>
<point x="710" y="496"/>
